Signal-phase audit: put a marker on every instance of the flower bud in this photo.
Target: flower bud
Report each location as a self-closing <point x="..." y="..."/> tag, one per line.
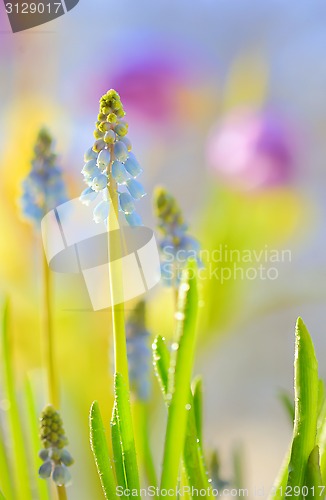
<point x="126" y="203"/>
<point x="119" y="173"/>
<point x="98" y="145"/>
<point x="66" y="458"/>
<point x="61" y="476"/>
<point x="132" y="166"/>
<point x="104" y="159"/>
<point x="90" y="155"/>
<point x="98" y="134"/>
<point x="121" y="128"/>
<point x="135" y="189"/>
<point x="99" y="182"/>
<point x="112" y="118"/>
<point x="126" y="142"/>
<point x="45" y="470"/>
<point x="101" y="211"/>
<point x="87" y="196"/>
<point x="109" y="137"/>
<point x="120" y="151"/>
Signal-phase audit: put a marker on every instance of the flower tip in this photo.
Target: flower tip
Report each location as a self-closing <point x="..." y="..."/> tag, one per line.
<point x="61" y="476"/>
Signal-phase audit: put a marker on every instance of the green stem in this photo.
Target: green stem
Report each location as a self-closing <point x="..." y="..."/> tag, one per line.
<point x="49" y="351"/>
<point x="62" y="494"/>
<point x="179" y="380"/>
<point x="115" y="271"/>
<point x="48" y="337"/>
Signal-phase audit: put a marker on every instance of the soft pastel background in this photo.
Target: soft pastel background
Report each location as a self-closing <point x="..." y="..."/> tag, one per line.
<point x="227" y="108"/>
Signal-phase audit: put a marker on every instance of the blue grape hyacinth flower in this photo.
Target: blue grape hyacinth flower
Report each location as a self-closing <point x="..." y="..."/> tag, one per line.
<point x="176" y="245"/>
<point x="56" y="458"/>
<point x="139" y="353"/>
<point x="43" y="188"/>
<point x="110" y="160"/>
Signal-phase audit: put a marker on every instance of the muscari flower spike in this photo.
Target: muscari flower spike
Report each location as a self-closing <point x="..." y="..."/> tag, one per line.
<point x="176" y="246"/>
<point x="139" y="353"/>
<point x="43" y="188"/>
<point x="56" y="458"/>
<point x="110" y="160"/>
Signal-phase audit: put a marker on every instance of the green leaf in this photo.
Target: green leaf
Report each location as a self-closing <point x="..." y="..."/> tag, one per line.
<point x="306" y="406"/>
<point x="101" y="452"/>
<point x="238" y="467"/>
<point x="195" y="468"/>
<point x="281" y="480"/>
<point x="2" y="497"/>
<point x="126" y="435"/>
<point x="6" y="482"/>
<point x="179" y="378"/>
<point x="313" y="479"/>
<point x="117" y="450"/>
<point x="20" y="460"/>
<point x="141" y="414"/>
<point x="197" y="389"/>
<point x="288" y="404"/>
<point x="161" y="362"/>
<point x="321" y="399"/>
<point x="321" y="439"/>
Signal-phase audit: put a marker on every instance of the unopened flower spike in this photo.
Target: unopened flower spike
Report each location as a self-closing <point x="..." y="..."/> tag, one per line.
<point x="56" y="458"/>
<point x="110" y="160"/>
<point x="176" y="245"/>
<point x="43" y="188"/>
<point x="139" y="353"/>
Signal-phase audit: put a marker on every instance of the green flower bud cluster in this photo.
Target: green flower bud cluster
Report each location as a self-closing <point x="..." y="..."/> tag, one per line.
<point x="109" y="126"/>
<point x="167" y="211"/>
<point x="43" y="187"/>
<point x="176" y="245"/>
<point x="139" y="353"/>
<point x="55" y="457"/>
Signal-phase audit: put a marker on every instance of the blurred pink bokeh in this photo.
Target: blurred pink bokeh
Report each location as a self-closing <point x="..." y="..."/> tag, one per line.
<point x="253" y="149"/>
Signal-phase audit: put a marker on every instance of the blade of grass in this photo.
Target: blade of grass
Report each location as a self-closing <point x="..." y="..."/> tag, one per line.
<point x="20" y="459"/>
<point x="141" y="412"/>
<point x="101" y="452"/>
<point x="161" y="363"/>
<point x="288" y="404"/>
<point x="238" y="460"/>
<point x="321" y="440"/>
<point x="32" y="418"/>
<point x="321" y="399"/>
<point x="197" y="390"/>
<point x="2" y="497"/>
<point x="306" y="406"/>
<point x="6" y="482"/>
<point x="197" y="474"/>
<point x="126" y="435"/>
<point x="180" y="371"/>
<point x="321" y="433"/>
<point x="195" y="466"/>
<point x="117" y="450"/>
<point x="313" y="479"/>
<point x="279" y="486"/>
